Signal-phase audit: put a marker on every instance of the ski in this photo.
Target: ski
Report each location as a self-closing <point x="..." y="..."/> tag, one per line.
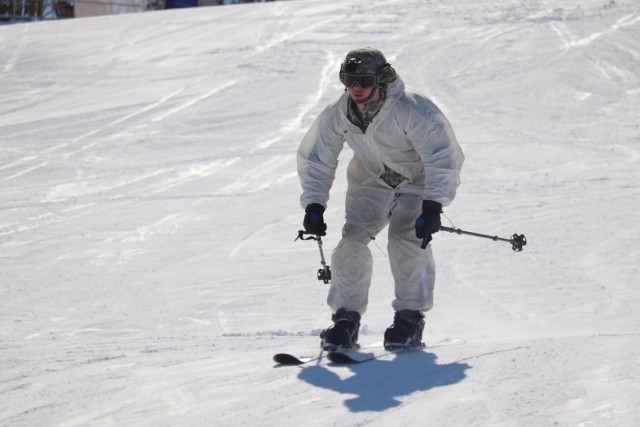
<point x="355" y="356"/>
<point x="348" y="358"/>
<point x="290" y="359"/>
<point x="361" y="355"/>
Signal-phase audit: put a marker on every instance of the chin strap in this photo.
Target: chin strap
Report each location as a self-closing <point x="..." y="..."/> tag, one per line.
<point x="375" y="89"/>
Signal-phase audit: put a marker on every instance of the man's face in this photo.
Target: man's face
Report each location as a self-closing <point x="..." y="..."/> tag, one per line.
<point x="359" y="94"/>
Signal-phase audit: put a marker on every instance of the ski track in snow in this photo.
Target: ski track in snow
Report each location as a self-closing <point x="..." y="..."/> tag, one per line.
<point x="150" y="204"/>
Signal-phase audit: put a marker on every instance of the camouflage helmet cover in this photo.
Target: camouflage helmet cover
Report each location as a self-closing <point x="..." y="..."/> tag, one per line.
<point x="367" y="60"/>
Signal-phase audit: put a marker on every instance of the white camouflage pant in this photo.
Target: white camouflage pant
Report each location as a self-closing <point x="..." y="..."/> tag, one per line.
<point x="369" y="208"/>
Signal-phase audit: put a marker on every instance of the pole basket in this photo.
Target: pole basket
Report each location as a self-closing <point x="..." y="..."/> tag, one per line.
<point x="517" y="242"/>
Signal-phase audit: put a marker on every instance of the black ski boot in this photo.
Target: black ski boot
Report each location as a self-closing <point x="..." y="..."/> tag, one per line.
<point x="343" y="334"/>
<point x="406" y="330"/>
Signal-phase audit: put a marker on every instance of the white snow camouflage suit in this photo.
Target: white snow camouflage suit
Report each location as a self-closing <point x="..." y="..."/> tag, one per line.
<point x="409" y="135"/>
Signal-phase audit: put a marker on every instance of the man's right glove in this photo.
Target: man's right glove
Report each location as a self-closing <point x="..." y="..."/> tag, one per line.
<point x="314" y="220"/>
<point x="429" y="221"/>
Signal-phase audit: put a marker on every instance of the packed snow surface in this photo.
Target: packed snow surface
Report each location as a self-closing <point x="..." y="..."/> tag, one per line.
<point x="149" y="205"/>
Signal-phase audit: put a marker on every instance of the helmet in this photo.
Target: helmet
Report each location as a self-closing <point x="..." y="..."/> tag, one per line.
<point x="366" y="66"/>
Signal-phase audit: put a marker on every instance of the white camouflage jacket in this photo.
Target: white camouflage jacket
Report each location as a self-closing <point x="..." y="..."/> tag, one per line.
<point x="410" y="135"/>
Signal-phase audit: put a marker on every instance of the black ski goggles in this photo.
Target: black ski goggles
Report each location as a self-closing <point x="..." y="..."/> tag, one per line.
<point x="363" y="80"/>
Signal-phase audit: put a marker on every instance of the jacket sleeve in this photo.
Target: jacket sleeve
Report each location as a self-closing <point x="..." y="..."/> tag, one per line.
<point x="441" y="155"/>
<point x="318" y="157"/>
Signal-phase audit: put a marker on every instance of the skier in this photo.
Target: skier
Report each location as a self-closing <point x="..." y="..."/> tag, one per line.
<point x="406" y="164"/>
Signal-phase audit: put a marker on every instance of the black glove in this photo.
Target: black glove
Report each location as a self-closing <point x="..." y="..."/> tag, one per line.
<point x="429" y="221"/>
<point x="314" y="220"/>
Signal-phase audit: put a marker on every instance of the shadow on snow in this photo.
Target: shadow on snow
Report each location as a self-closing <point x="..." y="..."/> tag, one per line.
<point x="379" y="383"/>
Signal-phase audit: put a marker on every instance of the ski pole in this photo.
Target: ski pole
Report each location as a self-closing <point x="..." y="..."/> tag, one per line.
<point x="517" y="240"/>
<point x="324" y="273"/>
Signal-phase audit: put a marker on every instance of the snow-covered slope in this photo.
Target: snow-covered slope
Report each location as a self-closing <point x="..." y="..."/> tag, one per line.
<point x="149" y="203"/>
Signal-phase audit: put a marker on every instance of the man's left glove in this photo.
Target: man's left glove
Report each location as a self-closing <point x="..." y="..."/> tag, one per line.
<point x="314" y="220"/>
<point x="429" y="221"/>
